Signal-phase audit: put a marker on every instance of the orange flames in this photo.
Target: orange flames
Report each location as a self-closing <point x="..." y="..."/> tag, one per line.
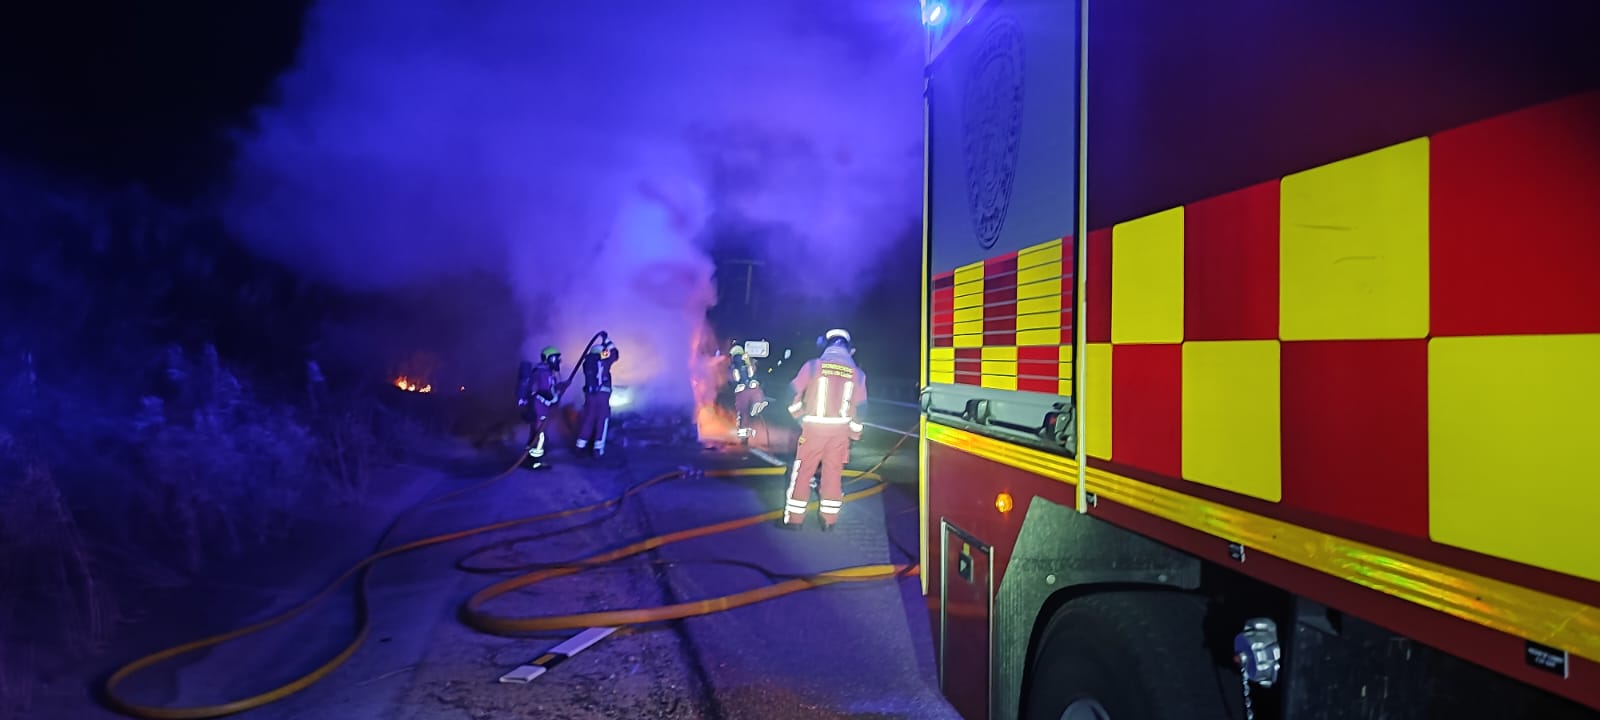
<point x="709" y="369"/>
<point x="410" y="372"/>
<point x="716" y="422"/>
<point x="713" y="420"/>
<point x="410" y="385"/>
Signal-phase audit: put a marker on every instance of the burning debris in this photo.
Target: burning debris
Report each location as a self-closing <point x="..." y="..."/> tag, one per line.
<point x="654" y="429"/>
<point x="644" y="421"/>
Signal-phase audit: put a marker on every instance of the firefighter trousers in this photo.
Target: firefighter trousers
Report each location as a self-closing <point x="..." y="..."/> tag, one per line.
<point x="596" y="420"/>
<point x="745" y="404"/>
<point x="538" y="415"/>
<point x="825" y="448"/>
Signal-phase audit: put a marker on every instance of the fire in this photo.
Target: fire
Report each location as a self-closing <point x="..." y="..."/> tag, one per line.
<point x="712" y="420"/>
<point x="411" y="370"/>
<point x="710" y="369"/>
<point x="410" y="385"/>
<point x="716" y="422"/>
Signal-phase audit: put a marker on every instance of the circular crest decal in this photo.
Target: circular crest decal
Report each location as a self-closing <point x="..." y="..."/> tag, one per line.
<point x="992" y="127"/>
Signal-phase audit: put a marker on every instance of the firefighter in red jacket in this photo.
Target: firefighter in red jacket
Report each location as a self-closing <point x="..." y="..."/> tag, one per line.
<point x="597" y="395"/>
<point x="748" y="397"/>
<point x="828" y="393"/>
<point x="538" y="390"/>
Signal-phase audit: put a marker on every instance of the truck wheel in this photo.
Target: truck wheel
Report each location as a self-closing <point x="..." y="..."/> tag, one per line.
<point x="1125" y="656"/>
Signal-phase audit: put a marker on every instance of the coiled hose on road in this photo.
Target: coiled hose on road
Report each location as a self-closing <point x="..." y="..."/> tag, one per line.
<point x="472" y="612"/>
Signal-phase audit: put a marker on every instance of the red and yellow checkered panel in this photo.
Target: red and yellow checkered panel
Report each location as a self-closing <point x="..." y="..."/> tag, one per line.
<point x="1407" y="339"/>
<point x="1006" y="322"/>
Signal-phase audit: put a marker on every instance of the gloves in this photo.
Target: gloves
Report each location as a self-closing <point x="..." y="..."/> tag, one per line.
<point x="755" y="384"/>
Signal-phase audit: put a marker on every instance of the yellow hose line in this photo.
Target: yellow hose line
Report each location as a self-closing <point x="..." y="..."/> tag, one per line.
<point x="507" y="625"/>
<point x="476" y="618"/>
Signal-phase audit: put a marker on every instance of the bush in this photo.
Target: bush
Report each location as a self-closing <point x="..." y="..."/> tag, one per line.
<point x="50" y="599"/>
<point x="154" y="418"/>
<point x="99" y="506"/>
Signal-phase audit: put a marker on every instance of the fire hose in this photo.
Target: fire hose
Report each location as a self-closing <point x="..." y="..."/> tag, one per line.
<point x="579" y="365"/>
<point x="473" y="612"/>
<point x="561" y="387"/>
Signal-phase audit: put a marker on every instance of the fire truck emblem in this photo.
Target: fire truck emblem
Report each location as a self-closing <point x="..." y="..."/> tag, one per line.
<point x="992" y="126"/>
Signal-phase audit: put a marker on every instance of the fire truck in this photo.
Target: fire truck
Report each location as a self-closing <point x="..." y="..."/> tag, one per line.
<point x="1262" y="358"/>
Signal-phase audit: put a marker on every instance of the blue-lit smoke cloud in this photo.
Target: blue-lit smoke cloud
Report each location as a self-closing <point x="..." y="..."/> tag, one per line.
<point x="588" y="149"/>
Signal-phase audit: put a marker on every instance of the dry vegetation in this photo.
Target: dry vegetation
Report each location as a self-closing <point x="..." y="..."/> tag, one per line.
<point x="156" y="416"/>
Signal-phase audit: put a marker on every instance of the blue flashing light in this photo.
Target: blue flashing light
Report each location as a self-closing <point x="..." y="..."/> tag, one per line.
<point x="935" y="14"/>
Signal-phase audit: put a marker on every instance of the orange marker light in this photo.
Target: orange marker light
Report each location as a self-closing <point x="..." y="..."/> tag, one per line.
<point x="1002" y="502"/>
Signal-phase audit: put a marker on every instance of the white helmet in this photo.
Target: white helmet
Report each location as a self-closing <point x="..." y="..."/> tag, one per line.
<point x="837" y="334"/>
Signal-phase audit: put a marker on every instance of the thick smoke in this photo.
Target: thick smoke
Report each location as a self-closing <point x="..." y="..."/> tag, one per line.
<point x="591" y="151"/>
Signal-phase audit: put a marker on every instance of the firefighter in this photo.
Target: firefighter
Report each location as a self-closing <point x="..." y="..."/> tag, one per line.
<point x="828" y="393"/>
<point x="597" y="395"/>
<point x="539" y="388"/>
<point x="748" y="397"/>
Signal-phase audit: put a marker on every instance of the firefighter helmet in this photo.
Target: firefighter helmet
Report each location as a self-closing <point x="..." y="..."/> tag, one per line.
<point x="736" y="350"/>
<point x="837" y="336"/>
<point x="548" y="352"/>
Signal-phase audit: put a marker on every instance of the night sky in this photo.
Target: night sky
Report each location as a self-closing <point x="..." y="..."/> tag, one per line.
<point x="121" y="92"/>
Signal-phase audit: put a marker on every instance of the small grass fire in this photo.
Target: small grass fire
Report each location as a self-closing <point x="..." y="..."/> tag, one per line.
<point x="410" y="385"/>
<point x="414" y="372"/>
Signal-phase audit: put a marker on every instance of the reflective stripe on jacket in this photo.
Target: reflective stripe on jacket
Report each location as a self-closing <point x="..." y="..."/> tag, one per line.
<point x="830" y="390"/>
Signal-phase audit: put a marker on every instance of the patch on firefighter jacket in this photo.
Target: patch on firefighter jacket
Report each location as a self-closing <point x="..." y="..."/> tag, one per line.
<point x="838" y="370"/>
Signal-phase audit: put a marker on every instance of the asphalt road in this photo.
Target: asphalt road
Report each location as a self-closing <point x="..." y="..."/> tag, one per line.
<point x="853" y="651"/>
<point x="892" y="414"/>
<point x="887" y="422"/>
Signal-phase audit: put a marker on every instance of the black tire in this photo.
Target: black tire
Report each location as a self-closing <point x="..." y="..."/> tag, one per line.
<point x="1140" y="655"/>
